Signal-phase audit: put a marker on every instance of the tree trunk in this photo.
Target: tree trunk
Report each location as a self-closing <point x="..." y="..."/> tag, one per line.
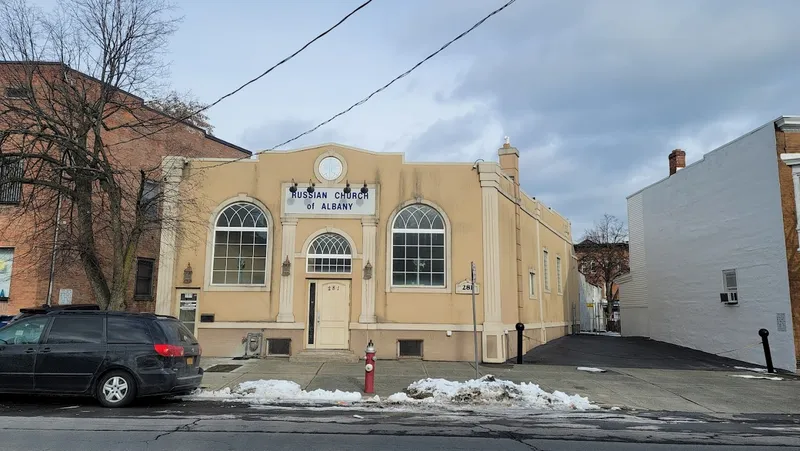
<point x="86" y="243"/>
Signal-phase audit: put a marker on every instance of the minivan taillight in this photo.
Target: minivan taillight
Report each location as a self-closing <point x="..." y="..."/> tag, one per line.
<point x="169" y="350"/>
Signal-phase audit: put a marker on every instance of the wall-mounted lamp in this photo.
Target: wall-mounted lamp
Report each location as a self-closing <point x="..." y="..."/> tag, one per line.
<point x="364" y="189"/>
<point x="293" y="188"/>
<point x="310" y="188"/>
<point x="285" y="267"/>
<point x="187" y="274"/>
<point x="347" y="188"/>
<point x="368" y="271"/>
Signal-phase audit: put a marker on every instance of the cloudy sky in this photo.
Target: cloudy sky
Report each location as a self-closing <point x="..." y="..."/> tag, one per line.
<point x="593" y="93"/>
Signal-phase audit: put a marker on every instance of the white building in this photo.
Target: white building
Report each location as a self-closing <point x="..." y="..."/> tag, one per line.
<point x="713" y="248"/>
<point x="593" y="317"/>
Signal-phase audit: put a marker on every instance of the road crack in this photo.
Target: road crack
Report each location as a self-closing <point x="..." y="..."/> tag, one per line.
<point x="181" y="428"/>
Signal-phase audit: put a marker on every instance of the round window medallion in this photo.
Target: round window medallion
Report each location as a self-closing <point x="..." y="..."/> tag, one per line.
<point x="330" y="168"/>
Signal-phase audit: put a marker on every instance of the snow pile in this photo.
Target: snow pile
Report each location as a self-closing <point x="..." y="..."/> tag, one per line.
<point x="488" y="390"/>
<point x="755" y="370"/>
<point x="589" y="369"/>
<point x="749" y="376"/>
<point x="276" y="390"/>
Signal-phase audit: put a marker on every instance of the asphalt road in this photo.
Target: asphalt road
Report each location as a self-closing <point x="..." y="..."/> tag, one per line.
<point x="219" y="441"/>
<point x="627" y="352"/>
<point x="70" y="424"/>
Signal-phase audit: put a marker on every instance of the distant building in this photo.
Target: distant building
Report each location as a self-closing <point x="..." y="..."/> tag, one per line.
<point x="592" y="307"/>
<point x="714" y="250"/>
<point x="594" y="274"/>
<point x="322" y="249"/>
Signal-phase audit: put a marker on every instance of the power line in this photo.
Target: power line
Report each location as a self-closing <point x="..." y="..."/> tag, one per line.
<point x="377" y="91"/>
<point x="281" y="62"/>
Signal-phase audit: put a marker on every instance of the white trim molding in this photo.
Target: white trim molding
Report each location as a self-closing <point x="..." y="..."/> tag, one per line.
<point x="212" y="222"/>
<point x="788" y="124"/>
<point x="310" y="239"/>
<point x="329" y="153"/>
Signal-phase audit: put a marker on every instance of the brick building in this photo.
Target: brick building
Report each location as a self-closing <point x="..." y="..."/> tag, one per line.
<point x="27" y="255"/>
<point x="714" y="250"/>
<point x="585" y="250"/>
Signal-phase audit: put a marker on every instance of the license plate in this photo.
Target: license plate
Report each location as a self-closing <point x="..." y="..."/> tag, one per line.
<point x="190" y="360"/>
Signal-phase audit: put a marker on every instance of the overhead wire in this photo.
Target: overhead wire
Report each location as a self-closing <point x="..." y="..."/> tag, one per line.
<point x="235" y="91"/>
<point x="367" y="98"/>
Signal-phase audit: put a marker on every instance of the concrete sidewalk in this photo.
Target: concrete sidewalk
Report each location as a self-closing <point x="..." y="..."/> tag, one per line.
<point x="632" y="388"/>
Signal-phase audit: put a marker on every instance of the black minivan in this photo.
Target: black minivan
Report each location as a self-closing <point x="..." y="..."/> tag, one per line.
<point x="113" y="356"/>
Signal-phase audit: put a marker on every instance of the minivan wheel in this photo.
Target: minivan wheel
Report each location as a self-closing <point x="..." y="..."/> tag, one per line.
<point x="116" y="389"/>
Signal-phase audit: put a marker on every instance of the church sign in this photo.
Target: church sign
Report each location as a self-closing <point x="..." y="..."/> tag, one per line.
<point x="329" y="201"/>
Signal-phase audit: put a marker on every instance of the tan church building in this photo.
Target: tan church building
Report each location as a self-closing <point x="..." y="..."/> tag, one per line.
<point x="321" y="249"/>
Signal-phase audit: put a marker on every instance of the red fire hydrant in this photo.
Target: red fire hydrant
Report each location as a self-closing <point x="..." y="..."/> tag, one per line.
<point x="369" y="375"/>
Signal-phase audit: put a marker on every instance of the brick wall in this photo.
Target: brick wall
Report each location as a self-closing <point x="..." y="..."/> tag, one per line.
<point x="32" y="255"/>
<point x="595" y="277"/>
<point x="790" y="143"/>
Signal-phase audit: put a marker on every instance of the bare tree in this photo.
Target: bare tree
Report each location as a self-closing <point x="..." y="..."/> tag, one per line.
<point x="183" y="105"/>
<point x="71" y="109"/>
<point x="603" y="253"/>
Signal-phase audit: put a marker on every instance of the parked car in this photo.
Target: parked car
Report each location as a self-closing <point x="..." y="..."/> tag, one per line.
<point x="4" y="319"/>
<point x="113" y="356"/>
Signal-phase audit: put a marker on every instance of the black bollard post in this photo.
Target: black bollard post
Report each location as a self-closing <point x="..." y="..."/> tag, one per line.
<point x="767" y="355"/>
<point x="520" y="327"/>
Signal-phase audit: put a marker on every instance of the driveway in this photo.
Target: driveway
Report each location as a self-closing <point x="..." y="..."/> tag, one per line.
<point x="626" y="352"/>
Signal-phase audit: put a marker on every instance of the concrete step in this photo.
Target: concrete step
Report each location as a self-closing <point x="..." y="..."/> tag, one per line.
<point x="325" y="355"/>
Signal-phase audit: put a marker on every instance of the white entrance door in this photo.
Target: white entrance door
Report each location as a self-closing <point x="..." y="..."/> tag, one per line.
<point x="329" y="314"/>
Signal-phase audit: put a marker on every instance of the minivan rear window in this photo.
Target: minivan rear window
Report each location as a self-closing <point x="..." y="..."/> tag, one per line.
<point x="127" y="330"/>
<point x="177" y="333"/>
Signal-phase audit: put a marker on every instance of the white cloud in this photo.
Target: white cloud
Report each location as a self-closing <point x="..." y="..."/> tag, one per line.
<point x="594" y="93"/>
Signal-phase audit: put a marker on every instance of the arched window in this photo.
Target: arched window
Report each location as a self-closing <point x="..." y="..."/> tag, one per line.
<point x="240" y="246"/>
<point x="329" y="252"/>
<point x="418" y="248"/>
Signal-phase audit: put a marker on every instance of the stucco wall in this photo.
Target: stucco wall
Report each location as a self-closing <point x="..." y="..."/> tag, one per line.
<point x="474" y="222"/>
<point x="723" y="212"/>
<point x="399" y="183"/>
<point x="508" y="261"/>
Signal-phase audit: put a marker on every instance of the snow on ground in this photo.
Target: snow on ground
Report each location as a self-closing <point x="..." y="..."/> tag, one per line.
<point x="275" y="390"/>
<point x="486" y="391"/>
<point x="589" y="369"/>
<point x="755" y="370"/>
<point x="750" y="376"/>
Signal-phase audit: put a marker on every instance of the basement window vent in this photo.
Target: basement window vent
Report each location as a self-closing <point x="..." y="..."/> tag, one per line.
<point x="279" y="346"/>
<point x="409" y="348"/>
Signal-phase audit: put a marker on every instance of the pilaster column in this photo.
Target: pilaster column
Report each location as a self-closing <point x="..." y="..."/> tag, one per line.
<point x="172" y="172"/>
<point x="369" y="233"/>
<point x="286" y="306"/>
<point x="491" y="256"/>
<point x="493" y="334"/>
